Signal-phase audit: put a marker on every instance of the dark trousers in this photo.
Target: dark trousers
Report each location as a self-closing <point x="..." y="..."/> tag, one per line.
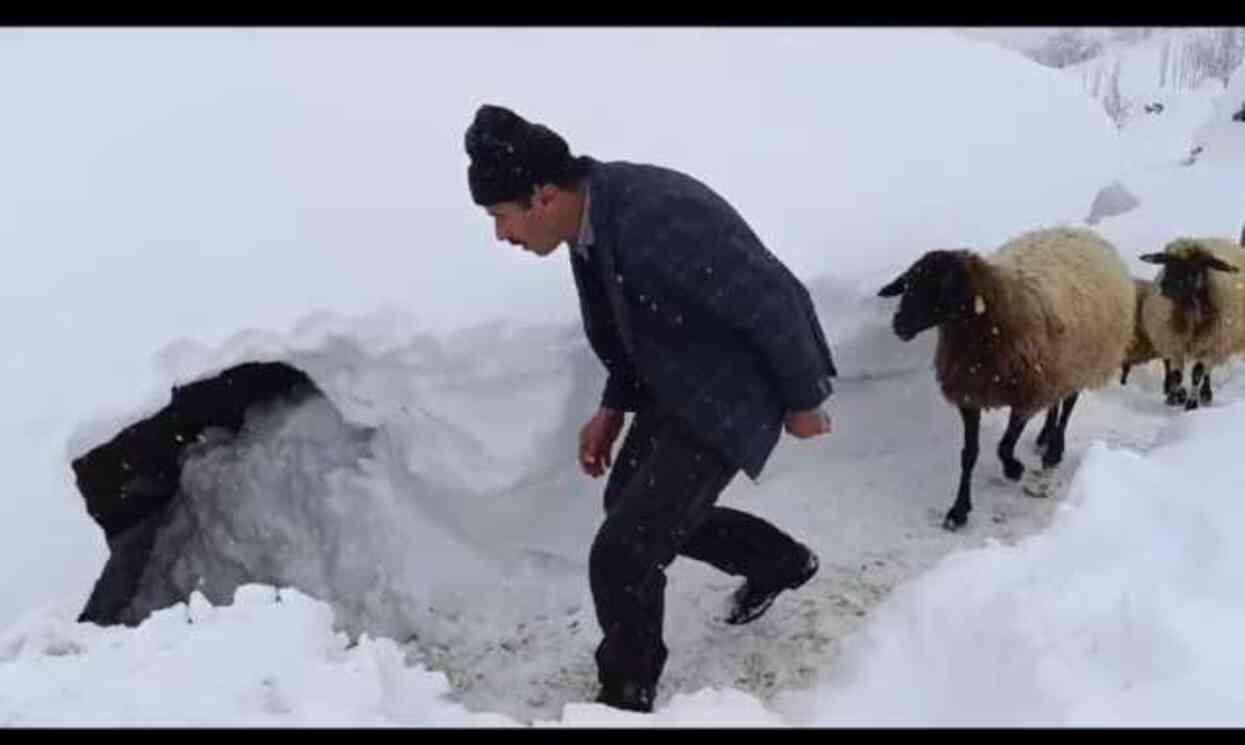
<point x="659" y="503"/>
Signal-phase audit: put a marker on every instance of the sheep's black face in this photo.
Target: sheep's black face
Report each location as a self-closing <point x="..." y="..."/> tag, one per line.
<point x="935" y="290"/>
<point x="1184" y="278"/>
<point x="1181" y="282"/>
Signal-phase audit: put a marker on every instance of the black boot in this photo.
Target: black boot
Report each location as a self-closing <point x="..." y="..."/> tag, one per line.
<point x="751" y="600"/>
<point x="627" y="696"/>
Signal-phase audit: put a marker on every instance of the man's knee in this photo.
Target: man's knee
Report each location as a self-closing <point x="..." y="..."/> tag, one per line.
<point x="627" y="552"/>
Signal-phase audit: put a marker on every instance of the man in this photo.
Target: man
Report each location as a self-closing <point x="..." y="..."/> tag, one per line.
<point x="707" y="338"/>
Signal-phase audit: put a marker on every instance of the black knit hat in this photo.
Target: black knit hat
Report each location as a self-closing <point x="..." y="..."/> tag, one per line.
<point x="510" y="155"/>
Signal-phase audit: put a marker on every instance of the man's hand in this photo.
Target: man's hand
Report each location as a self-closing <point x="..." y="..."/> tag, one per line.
<point x="806" y="424"/>
<point x="596" y="440"/>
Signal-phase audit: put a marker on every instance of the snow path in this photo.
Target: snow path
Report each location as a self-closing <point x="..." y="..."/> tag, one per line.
<point x="870" y="500"/>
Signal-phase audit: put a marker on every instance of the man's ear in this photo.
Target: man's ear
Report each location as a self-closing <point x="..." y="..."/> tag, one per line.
<point x="544" y="194"/>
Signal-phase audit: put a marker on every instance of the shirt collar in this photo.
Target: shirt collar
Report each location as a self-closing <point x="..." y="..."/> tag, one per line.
<point x="586" y="236"/>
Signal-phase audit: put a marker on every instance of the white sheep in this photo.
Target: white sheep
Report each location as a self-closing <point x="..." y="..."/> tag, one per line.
<point x="1198" y="314"/>
<point x="1049" y="315"/>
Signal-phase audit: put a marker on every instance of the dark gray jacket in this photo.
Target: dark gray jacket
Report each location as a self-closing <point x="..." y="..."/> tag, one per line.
<point x="689" y="311"/>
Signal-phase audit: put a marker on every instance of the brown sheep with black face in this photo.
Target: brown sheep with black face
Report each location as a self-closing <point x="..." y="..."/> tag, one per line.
<point x="1048" y="315"/>
<point x="1198" y="313"/>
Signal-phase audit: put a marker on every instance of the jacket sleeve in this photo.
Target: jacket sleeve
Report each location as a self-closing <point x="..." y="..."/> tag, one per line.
<point x="703" y="254"/>
<point x="623" y="390"/>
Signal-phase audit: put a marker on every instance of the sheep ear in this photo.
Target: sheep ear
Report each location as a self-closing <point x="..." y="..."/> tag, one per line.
<point x="1221" y="265"/>
<point x="1159" y="258"/>
<point x="896" y="286"/>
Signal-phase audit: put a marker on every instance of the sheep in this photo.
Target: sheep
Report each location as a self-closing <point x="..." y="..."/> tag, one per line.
<point x="1198" y="314"/>
<point x="1141" y="349"/>
<point x="1049" y="315"/>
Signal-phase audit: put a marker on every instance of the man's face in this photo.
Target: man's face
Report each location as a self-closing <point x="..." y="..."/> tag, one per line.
<point x="530" y="226"/>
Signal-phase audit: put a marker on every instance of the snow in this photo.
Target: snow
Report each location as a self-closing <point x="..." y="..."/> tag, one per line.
<point x="1222" y="138"/>
<point x="1199" y="200"/>
<point x="1149" y="69"/>
<point x="1119" y="614"/>
<point x="1165" y="138"/>
<point x="269" y="659"/>
<point x="191" y="199"/>
<point x="1179" y="195"/>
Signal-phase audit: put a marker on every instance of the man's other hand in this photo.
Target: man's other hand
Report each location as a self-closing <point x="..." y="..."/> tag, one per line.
<point x="806" y="424"/>
<point x="596" y="441"/>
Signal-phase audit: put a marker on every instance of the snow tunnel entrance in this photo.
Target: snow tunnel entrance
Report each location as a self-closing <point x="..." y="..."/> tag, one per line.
<point x="132" y="485"/>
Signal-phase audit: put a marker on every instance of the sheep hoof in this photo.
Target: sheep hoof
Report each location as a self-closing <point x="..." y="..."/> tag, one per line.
<point x="1177" y="397"/>
<point x="1205" y="397"/>
<point x="955" y="520"/>
<point x="1013" y="469"/>
<point x="1052" y="458"/>
<point x="1190" y="404"/>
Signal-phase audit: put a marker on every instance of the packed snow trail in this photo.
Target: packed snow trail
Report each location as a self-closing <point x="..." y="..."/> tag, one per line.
<point x="870" y="499"/>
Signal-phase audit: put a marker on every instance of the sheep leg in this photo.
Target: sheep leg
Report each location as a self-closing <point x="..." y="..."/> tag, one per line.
<point x="1013" y="468"/>
<point x="1124" y="374"/>
<point x="1054" y="451"/>
<point x="1195" y="379"/>
<point x="1174" y="386"/>
<point x="1200" y="392"/>
<point x="1052" y="415"/>
<point x="958" y="514"/>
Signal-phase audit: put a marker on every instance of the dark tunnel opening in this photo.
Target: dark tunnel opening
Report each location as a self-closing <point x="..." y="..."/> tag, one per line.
<point x="129" y="482"/>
